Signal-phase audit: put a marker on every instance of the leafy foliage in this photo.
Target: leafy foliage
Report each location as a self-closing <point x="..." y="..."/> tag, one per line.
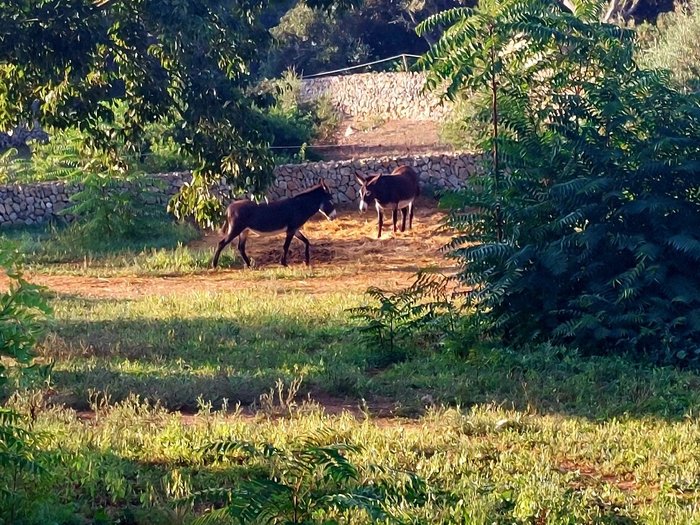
<point x="290" y="123"/>
<point x="184" y="61"/>
<point x="20" y="465"/>
<point x="599" y="192"/>
<point x="22" y="311"/>
<point x="426" y="310"/>
<point x="52" y="163"/>
<point x="113" y="206"/>
<point x="305" y="483"/>
<point x="314" y="40"/>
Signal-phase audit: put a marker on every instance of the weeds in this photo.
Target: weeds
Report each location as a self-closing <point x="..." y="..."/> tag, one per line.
<point x="280" y="400"/>
<point x="426" y="311"/>
<point x="310" y="482"/>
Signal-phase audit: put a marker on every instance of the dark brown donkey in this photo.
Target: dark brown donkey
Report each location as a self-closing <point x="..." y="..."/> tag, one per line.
<point x="397" y="191"/>
<point x="288" y="215"/>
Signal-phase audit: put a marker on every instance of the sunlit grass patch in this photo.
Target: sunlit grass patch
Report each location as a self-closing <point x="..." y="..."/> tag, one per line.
<point x="480" y="465"/>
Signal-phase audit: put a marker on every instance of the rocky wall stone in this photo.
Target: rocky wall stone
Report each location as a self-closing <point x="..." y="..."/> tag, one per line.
<point x="397" y="95"/>
<point x="28" y="204"/>
<point x="439" y="172"/>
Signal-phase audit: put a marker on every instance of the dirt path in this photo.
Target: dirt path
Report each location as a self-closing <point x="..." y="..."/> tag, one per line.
<point x="357" y="138"/>
<point x="345" y="255"/>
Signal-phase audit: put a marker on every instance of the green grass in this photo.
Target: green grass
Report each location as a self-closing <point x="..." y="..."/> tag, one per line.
<point x="52" y="250"/>
<point x="138" y="464"/>
<point x="64" y="250"/>
<point x="236" y="346"/>
<point x="499" y="435"/>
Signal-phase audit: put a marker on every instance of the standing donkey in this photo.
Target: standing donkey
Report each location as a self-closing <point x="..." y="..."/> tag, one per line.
<point x="288" y="215"/>
<point x="397" y="191"/>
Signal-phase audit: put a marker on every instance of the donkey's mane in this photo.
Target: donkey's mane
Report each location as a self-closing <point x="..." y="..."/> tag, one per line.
<point x="309" y="190"/>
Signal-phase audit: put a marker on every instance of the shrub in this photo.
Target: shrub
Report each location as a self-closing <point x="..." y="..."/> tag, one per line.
<point x="289" y="123"/>
<point x="425" y="311"/>
<point x="306" y="483"/>
<point x="22" y="310"/>
<point x="66" y="154"/>
<point x="589" y="235"/>
<point x="112" y="206"/>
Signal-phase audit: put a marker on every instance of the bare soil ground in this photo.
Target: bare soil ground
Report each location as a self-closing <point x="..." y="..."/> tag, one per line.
<point x="345" y="255"/>
<point x="358" y="138"/>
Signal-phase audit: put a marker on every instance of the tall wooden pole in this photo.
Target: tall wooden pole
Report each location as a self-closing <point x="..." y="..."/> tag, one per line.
<point x="494" y="151"/>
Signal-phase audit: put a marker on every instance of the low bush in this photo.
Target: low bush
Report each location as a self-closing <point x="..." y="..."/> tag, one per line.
<point x="314" y="480"/>
<point x="23" y="309"/>
<point x="424" y="315"/>
<point x="290" y="124"/>
<point x="586" y="231"/>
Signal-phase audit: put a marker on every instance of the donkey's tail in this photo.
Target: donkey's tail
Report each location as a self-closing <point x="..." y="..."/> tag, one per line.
<point x="224" y="228"/>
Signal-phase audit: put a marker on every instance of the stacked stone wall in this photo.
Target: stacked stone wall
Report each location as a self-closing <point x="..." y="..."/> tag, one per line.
<point x="445" y="171"/>
<point x="28" y="204"/>
<point x="386" y="95"/>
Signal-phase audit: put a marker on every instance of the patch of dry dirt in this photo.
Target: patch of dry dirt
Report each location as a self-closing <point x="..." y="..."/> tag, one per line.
<point x="345" y="255"/>
<point x="357" y="138"/>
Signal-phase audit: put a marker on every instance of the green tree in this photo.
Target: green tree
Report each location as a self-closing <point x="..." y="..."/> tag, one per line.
<point x="317" y="40"/>
<point x="187" y="60"/>
<point x="599" y="186"/>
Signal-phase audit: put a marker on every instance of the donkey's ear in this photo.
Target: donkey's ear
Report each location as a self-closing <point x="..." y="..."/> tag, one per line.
<point x="373" y="178"/>
<point x="360" y="178"/>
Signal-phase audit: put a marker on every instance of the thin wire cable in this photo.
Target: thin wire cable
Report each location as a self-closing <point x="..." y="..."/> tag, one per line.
<point x="350" y="68"/>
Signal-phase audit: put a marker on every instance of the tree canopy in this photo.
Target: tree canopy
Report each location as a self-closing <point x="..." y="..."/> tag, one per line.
<point x="187" y="60"/>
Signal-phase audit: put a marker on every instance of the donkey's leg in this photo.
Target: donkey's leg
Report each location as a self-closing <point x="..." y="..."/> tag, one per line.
<point x="410" y="216"/>
<point x="380" y="220"/>
<point x="233" y="232"/>
<point x="242" y="238"/>
<point x="285" y="248"/>
<point x="394" y="215"/>
<point x="404" y="211"/>
<point x="303" y="239"/>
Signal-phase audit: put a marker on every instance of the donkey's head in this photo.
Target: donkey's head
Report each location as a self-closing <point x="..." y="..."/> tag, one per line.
<point x="327" y="207"/>
<point x="366" y="186"/>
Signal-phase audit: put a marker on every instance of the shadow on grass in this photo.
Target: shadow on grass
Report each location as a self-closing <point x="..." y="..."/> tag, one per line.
<point x="94" y="485"/>
<point x="174" y="390"/>
<point x="179" y="360"/>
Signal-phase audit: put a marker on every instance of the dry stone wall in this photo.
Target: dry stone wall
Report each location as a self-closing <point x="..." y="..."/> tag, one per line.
<point x="28" y="204"/>
<point x="445" y="171"/>
<point x="388" y="95"/>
